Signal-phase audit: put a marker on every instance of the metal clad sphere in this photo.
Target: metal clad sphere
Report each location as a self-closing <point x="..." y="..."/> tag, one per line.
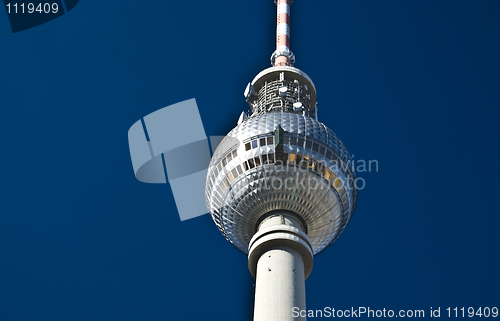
<point x="314" y="179"/>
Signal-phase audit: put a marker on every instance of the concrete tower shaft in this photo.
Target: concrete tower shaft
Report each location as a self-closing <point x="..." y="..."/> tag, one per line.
<point x="280" y="258"/>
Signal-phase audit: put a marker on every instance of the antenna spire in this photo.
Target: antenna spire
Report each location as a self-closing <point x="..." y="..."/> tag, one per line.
<point x="283" y="56"/>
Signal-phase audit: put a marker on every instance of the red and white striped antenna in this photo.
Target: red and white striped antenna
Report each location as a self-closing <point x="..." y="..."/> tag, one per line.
<point x="283" y="56"/>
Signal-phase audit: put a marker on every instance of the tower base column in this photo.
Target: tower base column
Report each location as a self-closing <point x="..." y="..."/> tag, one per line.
<point x="280" y="258"/>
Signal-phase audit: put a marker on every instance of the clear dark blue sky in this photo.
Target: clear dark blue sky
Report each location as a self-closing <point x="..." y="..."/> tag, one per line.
<point x="412" y="84"/>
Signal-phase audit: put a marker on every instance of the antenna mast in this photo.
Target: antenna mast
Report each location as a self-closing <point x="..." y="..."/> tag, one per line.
<point x="283" y="56"/>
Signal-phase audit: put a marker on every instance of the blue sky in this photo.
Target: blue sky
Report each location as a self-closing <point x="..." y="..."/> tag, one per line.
<point x="413" y="85"/>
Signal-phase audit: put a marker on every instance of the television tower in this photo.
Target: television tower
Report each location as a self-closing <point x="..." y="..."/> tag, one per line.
<point x="280" y="186"/>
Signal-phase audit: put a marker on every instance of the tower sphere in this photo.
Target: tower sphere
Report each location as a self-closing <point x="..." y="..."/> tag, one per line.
<point x="282" y="159"/>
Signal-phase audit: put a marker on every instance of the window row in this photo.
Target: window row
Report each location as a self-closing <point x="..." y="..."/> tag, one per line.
<point x="319" y="167"/>
<point x="290" y="158"/>
<point x="229" y="157"/>
<point x="259" y="142"/>
<point x="303" y="143"/>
